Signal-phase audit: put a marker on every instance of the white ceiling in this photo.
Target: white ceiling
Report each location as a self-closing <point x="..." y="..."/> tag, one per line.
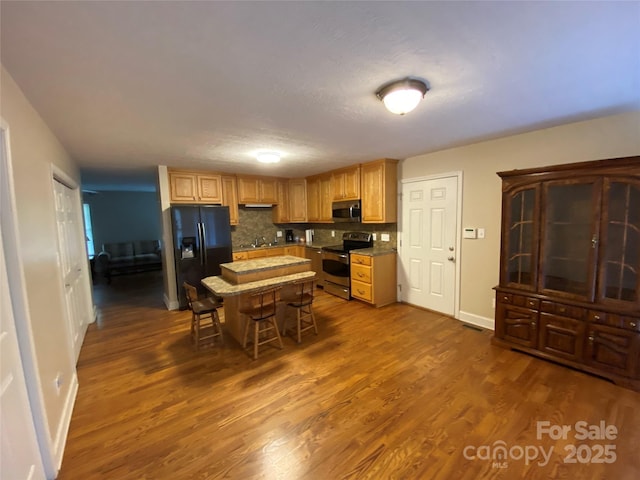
<point x="129" y="85"/>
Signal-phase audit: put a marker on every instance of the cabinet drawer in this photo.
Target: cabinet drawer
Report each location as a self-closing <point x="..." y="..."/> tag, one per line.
<point x="504" y="298"/>
<point x="239" y="256"/>
<point x="522" y="301"/>
<point x="614" y="320"/>
<point x="361" y="290"/>
<point x="563" y="310"/>
<point x="360" y="259"/>
<point x="361" y="273"/>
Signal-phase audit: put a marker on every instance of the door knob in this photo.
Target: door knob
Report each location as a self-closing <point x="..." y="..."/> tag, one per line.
<point x="451" y="259"/>
<point x="451" y="249"/>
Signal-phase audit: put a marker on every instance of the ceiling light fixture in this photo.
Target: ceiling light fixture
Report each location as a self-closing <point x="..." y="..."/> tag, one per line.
<point x="402" y="96"/>
<point x="268" y="157"/>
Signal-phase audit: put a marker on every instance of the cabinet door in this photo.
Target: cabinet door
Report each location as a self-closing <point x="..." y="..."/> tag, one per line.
<point x="298" y="200"/>
<point x="326" y="199"/>
<point x="268" y="190"/>
<point x="619" y="272"/>
<point x="248" y="190"/>
<point x="352" y="184"/>
<point x="561" y="336"/>
<point x="313" y="200"/>
<point x="517" y="325"/>
<point x="520" y="225"/>
<point x="373" y="207"/>
<point x="280" y="212"/>
<point x="230" y="198"/>
<point x="379" y="191"/>
<point x="183" y="187"/>
<point x="209" y="189"/>
<point x="613" y="350"/>
<point x="346" y="184"/>
<point x="571" y="215"/>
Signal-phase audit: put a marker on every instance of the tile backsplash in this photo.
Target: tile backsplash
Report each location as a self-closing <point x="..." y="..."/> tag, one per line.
<point x="257" y="222"/>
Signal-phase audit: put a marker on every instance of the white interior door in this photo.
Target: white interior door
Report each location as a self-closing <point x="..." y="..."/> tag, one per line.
<point x="428" y="251"/>
<point x="19" y="453"/>
<point x="72" y="252"/>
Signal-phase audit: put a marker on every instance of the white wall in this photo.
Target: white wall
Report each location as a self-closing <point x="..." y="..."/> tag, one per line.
<point x="34" y="149"/>
<point x="607" y="137"/>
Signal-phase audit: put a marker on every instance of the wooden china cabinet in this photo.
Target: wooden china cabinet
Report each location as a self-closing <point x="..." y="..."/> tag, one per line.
<point x="570" y="266"/>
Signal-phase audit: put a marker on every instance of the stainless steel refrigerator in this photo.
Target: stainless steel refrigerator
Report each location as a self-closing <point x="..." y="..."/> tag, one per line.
<point x="201" y="242"/>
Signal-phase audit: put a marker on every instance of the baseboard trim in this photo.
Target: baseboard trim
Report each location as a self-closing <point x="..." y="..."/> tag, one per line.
<point x="477" y="320"/>
<point x="169" y="304"/>
<point x="65" y="422"/>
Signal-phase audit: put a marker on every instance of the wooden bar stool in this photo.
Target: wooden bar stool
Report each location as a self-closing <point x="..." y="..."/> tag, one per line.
<point x="301" y="298"/>
<point x="261" y="309"/>
<point x="202" y="309"/>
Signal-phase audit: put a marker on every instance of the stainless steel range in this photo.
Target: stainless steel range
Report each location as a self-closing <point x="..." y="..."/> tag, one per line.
<point x="336" y="265"/>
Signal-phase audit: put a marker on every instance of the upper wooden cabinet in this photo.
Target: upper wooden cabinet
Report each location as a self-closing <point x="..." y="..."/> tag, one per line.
<point x="230" y="197"/>
<point x="319" y="198"/>
<point x="346" y="183"/>
<point x="257" y="189"/>
<point x="570" y="266"/>
<point x="297" y="200"/>
<point x="191" y="187"/>
<point x="379" y="191"/>
<point x="280" y="212"/>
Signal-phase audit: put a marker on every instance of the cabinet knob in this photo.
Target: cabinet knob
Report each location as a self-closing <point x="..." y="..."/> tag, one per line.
<point x="533" y="324"/>
<point x="505" y="298"/>
<point x="591" y="337"/>
<point x="596" y="317"/>
<point x="633" y="324"/>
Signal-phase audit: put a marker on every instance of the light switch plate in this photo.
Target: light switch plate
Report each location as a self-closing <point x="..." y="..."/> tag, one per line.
<point x="374" y="236"/>
<point x="384" y="237"/>
<point x="279" y="233"/>
<point x="481" y="233"/>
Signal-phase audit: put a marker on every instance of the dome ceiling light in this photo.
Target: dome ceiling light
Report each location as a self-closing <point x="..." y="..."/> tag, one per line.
<point x="268" y="157"/>
<point x="402" y="96"/>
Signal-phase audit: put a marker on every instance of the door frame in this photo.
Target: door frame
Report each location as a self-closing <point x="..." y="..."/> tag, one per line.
<point x="458" y="175"/>
<point x="18" y="294"/>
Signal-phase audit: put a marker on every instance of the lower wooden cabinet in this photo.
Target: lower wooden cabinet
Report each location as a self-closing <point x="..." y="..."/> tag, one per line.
<point x="373" y="278"/>
<point x="597" y="341"/>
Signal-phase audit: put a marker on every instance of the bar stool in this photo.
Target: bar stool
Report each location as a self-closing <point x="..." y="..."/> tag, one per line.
<point x="261" y="309"/>
<point x="203" y="308"/>
<point x="301" y="298"/>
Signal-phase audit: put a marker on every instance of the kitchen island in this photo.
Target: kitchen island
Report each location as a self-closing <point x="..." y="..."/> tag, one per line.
<point x="240" y="279"/>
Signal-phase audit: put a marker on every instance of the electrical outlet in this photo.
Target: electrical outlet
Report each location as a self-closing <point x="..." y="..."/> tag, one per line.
<point x="384" y="237"/>
<point x="279" y="233"/>
<point x="374" y="236"/>
<point x="333" y="233"/>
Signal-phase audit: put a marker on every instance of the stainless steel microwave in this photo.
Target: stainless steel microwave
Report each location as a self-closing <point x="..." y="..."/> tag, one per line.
<point x="348" y="211"/>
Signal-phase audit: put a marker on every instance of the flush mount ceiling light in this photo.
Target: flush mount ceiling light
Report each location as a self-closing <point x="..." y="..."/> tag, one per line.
<point x="268" y="157"/>
<point x="402" y="96"/>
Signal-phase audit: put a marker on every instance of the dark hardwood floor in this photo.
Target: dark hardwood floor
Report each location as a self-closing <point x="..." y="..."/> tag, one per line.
<point x="389" y="393"/>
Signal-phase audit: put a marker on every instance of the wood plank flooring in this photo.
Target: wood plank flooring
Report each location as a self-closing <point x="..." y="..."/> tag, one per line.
<point x="389" y="393"/>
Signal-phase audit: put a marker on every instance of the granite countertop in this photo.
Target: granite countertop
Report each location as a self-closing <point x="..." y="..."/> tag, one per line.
<point x="261" y="264"/>
<point x="223" y="288"/>
<point x="375" y="251"/>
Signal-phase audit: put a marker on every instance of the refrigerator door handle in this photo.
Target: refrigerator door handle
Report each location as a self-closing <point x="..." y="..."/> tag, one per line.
<point x="200" y="242"/>
<point x="203" y="239"/>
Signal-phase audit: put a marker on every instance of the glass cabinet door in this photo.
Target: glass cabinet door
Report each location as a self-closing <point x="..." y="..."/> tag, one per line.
<point x="569" y="238"/>
<point x="619" y="279"/>
<point x="521" y="237"/>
